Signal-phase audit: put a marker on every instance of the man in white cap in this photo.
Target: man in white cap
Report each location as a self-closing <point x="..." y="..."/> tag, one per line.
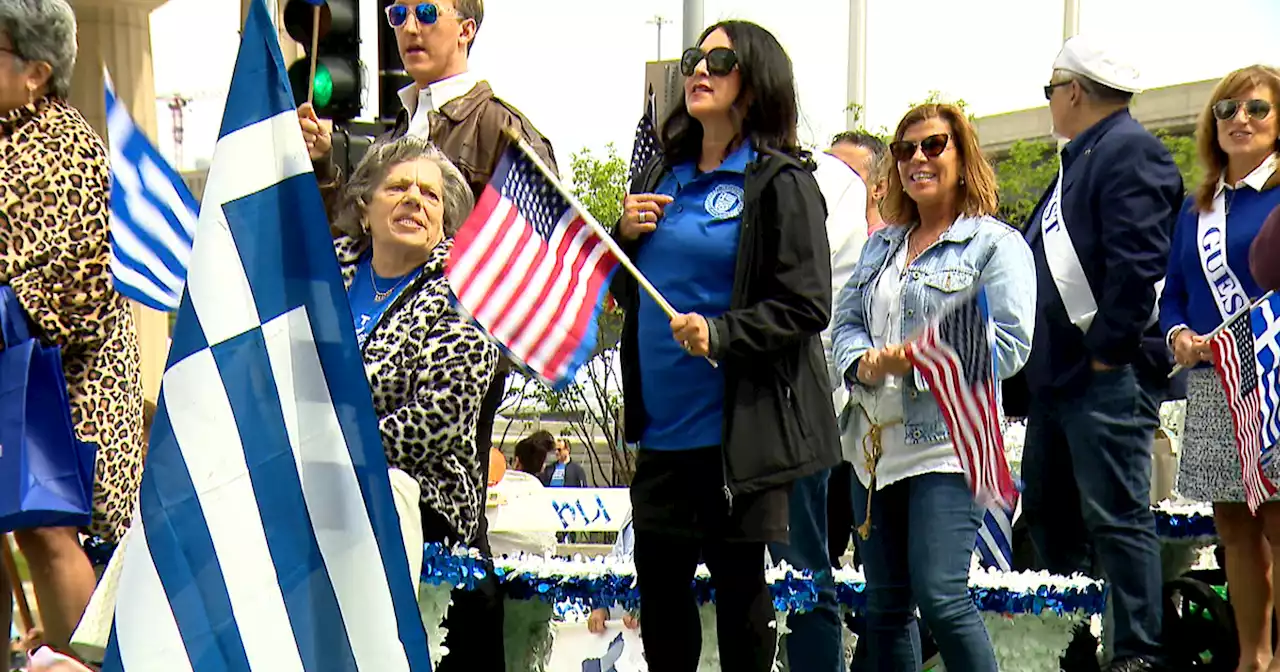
<point x="1098" y="368"/>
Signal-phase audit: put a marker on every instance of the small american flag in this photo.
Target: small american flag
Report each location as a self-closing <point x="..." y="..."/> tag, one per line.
<point x="530" y="270"/>
<point x="646" y="145"/>
<point x="955" y="355"/>
<point x="1250" y="384"/>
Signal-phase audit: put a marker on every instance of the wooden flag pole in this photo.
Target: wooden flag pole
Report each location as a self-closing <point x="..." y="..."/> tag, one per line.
<point x="15" y="583"/>
<point x="315" y="44"/>
<point x="596" y="227"/>
<point x="1209" y="337"/>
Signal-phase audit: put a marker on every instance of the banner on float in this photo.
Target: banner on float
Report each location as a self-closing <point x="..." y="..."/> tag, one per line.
<point x="577" y="649"/>
<point x="559" y="510"/>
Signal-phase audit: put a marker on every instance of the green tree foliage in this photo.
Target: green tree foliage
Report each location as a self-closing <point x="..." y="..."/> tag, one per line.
<point x="1022" y="176"/>
<point x="600" y="182"/>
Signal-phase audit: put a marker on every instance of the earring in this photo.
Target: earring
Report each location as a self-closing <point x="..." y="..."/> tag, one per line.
<point x="31" y="95"/>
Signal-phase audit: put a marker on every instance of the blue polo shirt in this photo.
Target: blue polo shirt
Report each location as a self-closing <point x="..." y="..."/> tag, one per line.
<point x="691" y="259"/>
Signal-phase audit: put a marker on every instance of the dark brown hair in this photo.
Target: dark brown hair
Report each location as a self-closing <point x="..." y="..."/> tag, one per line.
<point x="978" y="181"/>
<point x="533" y="449"/>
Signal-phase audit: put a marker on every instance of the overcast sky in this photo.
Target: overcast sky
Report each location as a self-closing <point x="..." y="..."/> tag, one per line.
<point x="576" y="67"/>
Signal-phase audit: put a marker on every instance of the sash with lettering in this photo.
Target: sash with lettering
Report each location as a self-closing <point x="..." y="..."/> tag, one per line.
<point x="1064" y="263"/>
<point x="1211" y="243"/>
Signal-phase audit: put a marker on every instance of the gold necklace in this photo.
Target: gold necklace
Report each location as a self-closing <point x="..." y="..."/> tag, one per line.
<point x="380" y="296"/>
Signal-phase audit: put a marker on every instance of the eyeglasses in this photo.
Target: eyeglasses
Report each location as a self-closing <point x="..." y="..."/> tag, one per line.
<point x="1256" y="109"/>
<point x="932" y="146"/>
<point x="720" y="61"/>
<point x="1048" y="88"/>
<point x="426" y="13"/>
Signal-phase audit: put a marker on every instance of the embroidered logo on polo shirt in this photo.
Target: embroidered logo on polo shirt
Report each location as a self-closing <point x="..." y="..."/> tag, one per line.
<point x="725" y="201"/>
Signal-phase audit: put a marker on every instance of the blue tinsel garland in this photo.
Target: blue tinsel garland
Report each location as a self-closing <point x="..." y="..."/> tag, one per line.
<point x="1183" y="526"/>
<point x="790" y="594"/>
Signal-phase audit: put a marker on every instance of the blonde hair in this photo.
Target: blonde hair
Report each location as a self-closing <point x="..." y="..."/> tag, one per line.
<point x="978" y="192"/>
<point x="1212" y="157"/>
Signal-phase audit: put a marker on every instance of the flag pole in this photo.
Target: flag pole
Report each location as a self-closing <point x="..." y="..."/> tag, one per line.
<point x="596" y="227"/>
<point x="1178" y="369"/>
<point x="315" y="44"/>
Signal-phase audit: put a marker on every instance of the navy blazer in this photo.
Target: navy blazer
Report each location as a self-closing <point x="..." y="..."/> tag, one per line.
<point x="1121" y="193"/>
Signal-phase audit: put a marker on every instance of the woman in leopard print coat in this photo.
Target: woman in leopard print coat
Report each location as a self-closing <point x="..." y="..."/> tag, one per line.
<point x="427" y="365"/>
<point x="55" y="254"/>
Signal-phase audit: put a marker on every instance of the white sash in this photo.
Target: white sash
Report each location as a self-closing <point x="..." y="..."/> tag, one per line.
<point x="1211" y="244"/>
<point x="1064" y="265"/>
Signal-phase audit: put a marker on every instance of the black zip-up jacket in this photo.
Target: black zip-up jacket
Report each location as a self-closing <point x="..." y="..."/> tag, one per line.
<point x="779" y="424"/>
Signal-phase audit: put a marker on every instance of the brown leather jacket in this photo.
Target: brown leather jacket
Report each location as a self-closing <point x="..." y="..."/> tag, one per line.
<point x="469" y="130"/>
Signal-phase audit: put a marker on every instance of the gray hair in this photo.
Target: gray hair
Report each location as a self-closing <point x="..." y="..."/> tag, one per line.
<point x="1096" y="91"/>
<point x="373" y="170"/>
<point x="43" y="30"/>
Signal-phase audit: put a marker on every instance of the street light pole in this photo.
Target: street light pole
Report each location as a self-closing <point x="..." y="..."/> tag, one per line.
<point x="658" y="21"/>
<point x="857" y="91"/>
<point x="692" y="23"/>
<point x="1070" y="19"/>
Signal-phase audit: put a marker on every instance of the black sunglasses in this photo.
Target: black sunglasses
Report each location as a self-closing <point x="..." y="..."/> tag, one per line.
<point x="425" y="12"/>
<point x="720" y="61"/>
<point x="932" y="146"/>
<point x="1048" y="88"/>
<point x="1226" y="110"/>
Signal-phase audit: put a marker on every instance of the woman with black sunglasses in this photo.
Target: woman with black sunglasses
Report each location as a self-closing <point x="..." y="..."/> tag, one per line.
<point x="919" y="520"/>
<point x="1207" y="283"/>
<point x="729" y="400"/>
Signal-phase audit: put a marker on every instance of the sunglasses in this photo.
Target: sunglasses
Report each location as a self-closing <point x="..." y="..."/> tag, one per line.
<point x="1226" y="110"/>
<point x="720" y="61"/>
<point x="1048" y="88"/>
<point x="426" y="13"/>
<point x="932" y="146"/>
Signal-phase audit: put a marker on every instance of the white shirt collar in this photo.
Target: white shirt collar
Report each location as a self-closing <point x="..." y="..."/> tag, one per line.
<point x="436" y="94"/>
<point x="1255" y="180"/>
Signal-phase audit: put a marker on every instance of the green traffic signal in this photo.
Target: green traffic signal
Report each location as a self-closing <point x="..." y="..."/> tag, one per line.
<point x="322" y="93"/>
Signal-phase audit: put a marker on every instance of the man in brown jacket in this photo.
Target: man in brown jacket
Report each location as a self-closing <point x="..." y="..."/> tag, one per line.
<point x="1264" y="254"/>
<point x="461" y="115"/>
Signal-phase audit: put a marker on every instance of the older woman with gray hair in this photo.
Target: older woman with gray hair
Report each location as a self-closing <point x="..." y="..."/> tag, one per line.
<point x="55" y="255"/>
<point x="428" y="366"/>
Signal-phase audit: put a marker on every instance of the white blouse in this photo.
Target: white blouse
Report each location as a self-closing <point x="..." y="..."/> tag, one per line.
<point x="898" y="460"/>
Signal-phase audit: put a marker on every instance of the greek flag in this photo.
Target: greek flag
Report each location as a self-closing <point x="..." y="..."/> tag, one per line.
<point x="266" y="536"/>
<point x="153" y="215"/>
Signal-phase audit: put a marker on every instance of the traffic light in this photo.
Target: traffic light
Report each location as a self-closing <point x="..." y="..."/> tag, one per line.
<point x="338" y="86"/>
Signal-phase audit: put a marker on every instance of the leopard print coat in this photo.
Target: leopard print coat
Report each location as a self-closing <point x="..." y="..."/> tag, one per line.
<point x="428" y="368"/>
<point x="55" y="254"/>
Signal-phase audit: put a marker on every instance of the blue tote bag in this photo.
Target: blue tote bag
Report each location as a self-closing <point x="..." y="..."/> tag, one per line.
<point x="46" y="474"/>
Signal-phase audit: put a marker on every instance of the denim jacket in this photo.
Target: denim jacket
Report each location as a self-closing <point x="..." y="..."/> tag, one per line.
<point x="973" y="249"/>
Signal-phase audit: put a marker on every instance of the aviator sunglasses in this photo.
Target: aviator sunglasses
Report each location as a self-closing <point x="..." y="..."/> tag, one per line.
<point x="932" y="146"/>
<point x="425" y="12"/>
<point x="1256" y="109"/>
<point x="720" y="61"/>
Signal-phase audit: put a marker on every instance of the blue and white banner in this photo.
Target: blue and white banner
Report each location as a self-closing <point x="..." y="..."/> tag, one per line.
<point x="269" y="538"/>
<point x="153" y="214"/>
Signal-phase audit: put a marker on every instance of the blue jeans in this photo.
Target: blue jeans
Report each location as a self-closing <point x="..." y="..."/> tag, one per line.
<point x="1087" y="473"/>
<point x="923" y="530"/>
<point x="816" y="638"/>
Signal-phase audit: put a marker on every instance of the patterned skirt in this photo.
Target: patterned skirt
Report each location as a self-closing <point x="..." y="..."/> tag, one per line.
<point x="1209" y="467"/>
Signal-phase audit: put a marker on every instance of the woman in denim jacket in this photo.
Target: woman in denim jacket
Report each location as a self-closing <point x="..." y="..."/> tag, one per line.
<point x="922" y="522"/>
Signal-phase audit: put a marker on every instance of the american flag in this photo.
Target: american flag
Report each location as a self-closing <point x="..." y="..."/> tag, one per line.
<point x="646" y="145"/>
<point x="1250" y="384"/>
<point x="531" y="269"/>
<point x="955" y="355"/>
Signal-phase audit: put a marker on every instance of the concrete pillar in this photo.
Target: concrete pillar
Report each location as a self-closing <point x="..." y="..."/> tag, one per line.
<point x="117" y="33"/>
<point x="692" y="25"/>
<point x="855" y="113"/>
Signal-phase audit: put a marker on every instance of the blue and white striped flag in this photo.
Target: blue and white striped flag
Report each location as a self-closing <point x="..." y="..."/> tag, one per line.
<point x="266" y="536"/>
<point x="153" y="214"/>
<point x="995" y="538"/>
